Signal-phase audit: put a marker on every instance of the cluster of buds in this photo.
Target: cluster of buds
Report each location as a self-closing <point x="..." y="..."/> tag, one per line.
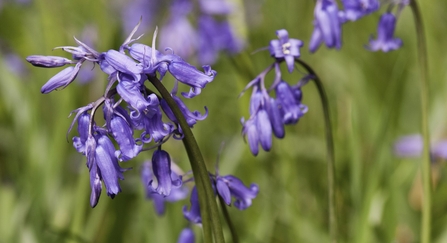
<point x="133" y="113"/>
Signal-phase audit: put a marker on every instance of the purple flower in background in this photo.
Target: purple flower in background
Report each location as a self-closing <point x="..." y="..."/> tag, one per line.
<point x="355" y="9"/>
<point x="385" y="35"/>
<point x="216" y="7"/>
<point x="216" y="36"/>
<point x="139" y="9"/>
<point x="411" y="146"/>
<point x="193" y="215"/>
<point x="285" y="48"/>
<point x="178" y="34"/>
<point x="327" y="25"/>
<point x="186" y="236"/>
<point x="159" y="200"/>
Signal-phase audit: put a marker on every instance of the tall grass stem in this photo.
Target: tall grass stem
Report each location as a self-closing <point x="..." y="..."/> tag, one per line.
<point x="426" y="165"/>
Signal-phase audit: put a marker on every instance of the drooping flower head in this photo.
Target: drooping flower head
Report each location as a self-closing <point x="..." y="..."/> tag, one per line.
<point x="385" y="35"/>
<point x="269" y="113"/>
<point x="161" y="164"/>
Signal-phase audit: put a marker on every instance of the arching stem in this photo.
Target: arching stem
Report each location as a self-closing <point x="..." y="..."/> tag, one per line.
<point x="207" y="200"/>
<point x="333" y="222"/>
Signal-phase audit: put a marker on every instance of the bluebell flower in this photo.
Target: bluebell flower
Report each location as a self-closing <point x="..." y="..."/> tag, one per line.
<point x="161" y="164"/>
<point x="327" y="25"/>
<point x="193" y="215"/>
<point x="355" y="9"/>
<point x="291" y="108"/>
<point x="385" y="35"/>
<point x="258" y="128"/>
<point x="177" y="193"/>
<point x="83" y="130"/>
<point x="48" y="61"/>
<point x="285" y="48"/>
<point x="223" y="190"/>
<point x="124" y="64"/>
<point x="190" y="117"/>
<point x="131" y="93"/>
<point x="186" y="236"/>
<point x="123" y="135"/>
<point x="231" y="185"/>
<point x="61" y="79"/>
<point x="155" y="127"/>
<point x="108" y="166"/>
<point x="190" y="76"/>
<point x="276" y="118"/>
<point x="95" y="185"/>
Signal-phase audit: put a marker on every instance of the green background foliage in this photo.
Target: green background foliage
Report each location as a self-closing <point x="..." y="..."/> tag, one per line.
<point x="374" y="98"/>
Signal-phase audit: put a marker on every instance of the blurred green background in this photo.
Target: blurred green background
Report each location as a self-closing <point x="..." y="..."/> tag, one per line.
<point x="374" y="98"/>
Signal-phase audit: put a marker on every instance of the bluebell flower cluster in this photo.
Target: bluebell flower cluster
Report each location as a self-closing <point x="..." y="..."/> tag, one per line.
<point x="329" y="20"/>
<point x="133" y="113"/>
<point x="269" y="114"/>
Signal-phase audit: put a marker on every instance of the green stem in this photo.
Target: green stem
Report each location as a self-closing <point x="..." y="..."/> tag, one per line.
<point x="333" y="228"/>
<point x="229" y="222"/>
<point x="426" y="167"/>
<point x="208" y="206"/>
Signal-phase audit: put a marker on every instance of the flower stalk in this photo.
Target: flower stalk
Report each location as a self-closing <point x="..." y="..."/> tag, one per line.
<point x="333" y="222"/>
<point x="426" y="165"/>
<point x="208" y="206"/>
